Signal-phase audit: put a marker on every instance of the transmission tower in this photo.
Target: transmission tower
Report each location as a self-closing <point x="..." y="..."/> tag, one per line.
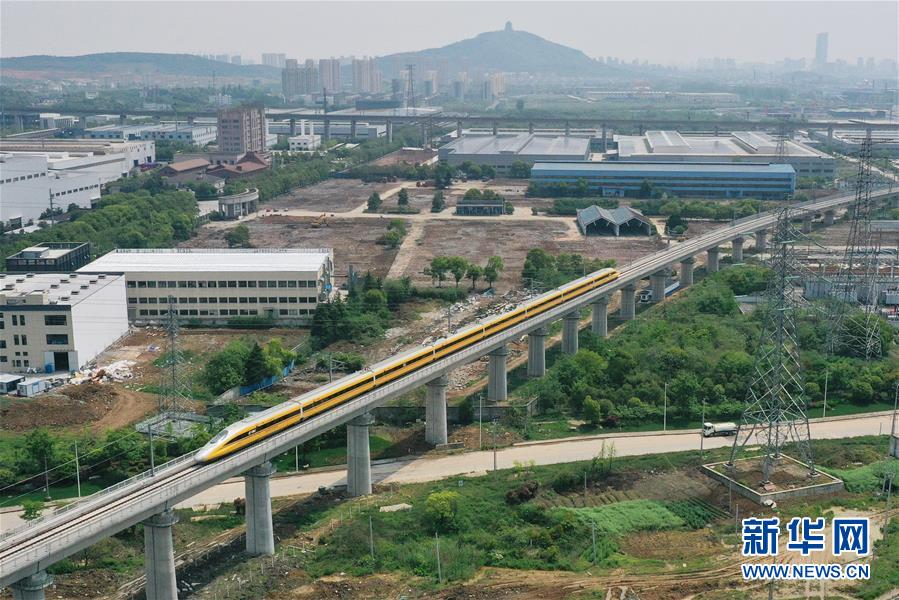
<point x="854" y="314"/>
<point x="775" y="401"/>
<point x="174" y="392"/>
<point x="410" y="86"/>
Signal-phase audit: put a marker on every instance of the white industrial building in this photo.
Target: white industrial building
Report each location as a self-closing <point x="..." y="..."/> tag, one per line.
<point x="109" y="158"/>
<point x="218" y="285"/>
<point x="28" y="188"/>
<point x="194" y="134"/>
<point x="501" y="151"/>
<point x="338" y="130"/>
<point x="306" y="141"/>
<point x="735" y="147"/>
<point x="51" y="322"/>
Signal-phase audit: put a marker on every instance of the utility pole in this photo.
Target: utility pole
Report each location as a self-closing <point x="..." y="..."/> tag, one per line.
<point x="702" y="434"/>
<point x="665" y="413"/>
<point x="826" y="376"/>
<point x="46" y="479"/>
<point x="152" y="456"/>
<point x="371" y="539"/>
<point x="481" y="421"/>
<point x="494" y="444"/>
<point x="77" y="470"/>
<point x="437" y="543"/>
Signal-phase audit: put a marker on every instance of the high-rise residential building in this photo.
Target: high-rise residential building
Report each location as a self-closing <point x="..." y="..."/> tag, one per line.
<point x="366" y="78"/>
<point x="236" y="60"/>
<point x="310" y="76"/>
<point x="821" y="49"/>
<point x="271" y="59"/>
<point x="241" y="130"/>
<point x="290" y="79"/>
<point x="329" y="71"/>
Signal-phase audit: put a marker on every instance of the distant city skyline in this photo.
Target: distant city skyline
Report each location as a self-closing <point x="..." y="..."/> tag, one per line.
<point x="745" y="31"/>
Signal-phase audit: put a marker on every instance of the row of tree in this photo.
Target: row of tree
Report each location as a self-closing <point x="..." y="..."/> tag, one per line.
<point x="245" y="362"/>
<point x="543" y="271"/>
<point x="459" y="268"/>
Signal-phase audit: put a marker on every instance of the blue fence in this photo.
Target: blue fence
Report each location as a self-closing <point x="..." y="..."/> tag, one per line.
<point x="269" y="381"/>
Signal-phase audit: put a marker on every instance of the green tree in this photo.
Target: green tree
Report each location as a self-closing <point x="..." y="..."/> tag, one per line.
<point x="256" y="369"/>
<point x="519" y="170"/>
<point x="494" y="267"/>
<point x="226" y="369"/>
<point x="592" y="411"/>
<point x="40" y="446"/>
<point x="439" y="268"/>
<point x="239" y="237"/>
<point x="457" y="266"/>
<point x="32" y="509"/>
<point x="443" y="175"/>
<point x="441" y="509"/>
<point x="438" y="203"/>
<point x="374" y="202"/>
<point x="474" y="272"/>
<point x="402" y="198"/>
<point x="645" y="189"/>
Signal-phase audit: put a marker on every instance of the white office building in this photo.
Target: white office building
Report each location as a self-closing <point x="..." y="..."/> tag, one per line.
<point x="51" y="322"/>
<point x="219" y="285"/>
<point x="109" y="158"/>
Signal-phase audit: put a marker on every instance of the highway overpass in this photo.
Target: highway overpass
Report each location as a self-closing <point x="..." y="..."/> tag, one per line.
<point x="27" y="551"/>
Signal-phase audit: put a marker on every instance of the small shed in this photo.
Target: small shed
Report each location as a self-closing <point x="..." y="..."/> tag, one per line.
<point x="594" y="220"/>
<point x="31" y="387"/>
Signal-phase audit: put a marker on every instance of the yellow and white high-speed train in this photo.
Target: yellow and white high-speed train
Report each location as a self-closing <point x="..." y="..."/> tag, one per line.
<point x="262" y="425"/>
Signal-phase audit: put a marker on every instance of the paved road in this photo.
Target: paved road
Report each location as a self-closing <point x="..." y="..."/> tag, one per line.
<point x="430" y="468"/>
<point x="561" y="451"/>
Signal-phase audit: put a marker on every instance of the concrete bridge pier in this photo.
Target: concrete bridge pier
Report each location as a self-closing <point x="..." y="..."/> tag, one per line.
<point x="712" y="262"/>
<point x="737" y="249"/>
<point x="685" y="277"/>
<point x="353" y="130"/>
<point x="435" y="411"/>
<point x="829" y="217"/>
<point x="567" y="129"/>
<point x="458" y="130"/>
<point x="326" y="134"/>
<point x="761" y="240"/>
<point x="600" y="323"/>
<point x="159" y="556"/>
<point x="293" y="126"/>
<point x="531" y="127"/>
<point x="603" y="137"/>
<point x="495" y="128"/>
<point x="32" y="587"/>
<point x="570" y="324"/>
<point x="358" y="464"/>
<point x="537" y="352"/>
<point x="260" y="531"/>
<point x="389" y="131"/>
<point x="424" y="135"/>
<point x="806" y="225"/>
<point x="628" y="308"/>
<point x="497" y="382"/>
<point x="657" y="282"/>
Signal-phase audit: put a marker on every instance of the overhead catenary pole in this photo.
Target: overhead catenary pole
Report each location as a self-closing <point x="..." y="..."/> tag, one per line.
<point x="77" y="470"/>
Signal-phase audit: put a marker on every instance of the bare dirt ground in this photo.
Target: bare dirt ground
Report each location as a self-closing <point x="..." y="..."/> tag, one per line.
<point x="99" y="406"/>
<point x="353" y="240"/>
<point x="478" y="239"/>
<point x="331" y="195"/>
<point x="405" y="156"/>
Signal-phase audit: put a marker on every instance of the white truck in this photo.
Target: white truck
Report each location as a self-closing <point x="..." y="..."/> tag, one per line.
<point x="716" y="429"/>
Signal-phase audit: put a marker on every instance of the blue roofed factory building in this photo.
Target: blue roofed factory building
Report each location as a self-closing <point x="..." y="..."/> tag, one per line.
<point x="616" y="178"/>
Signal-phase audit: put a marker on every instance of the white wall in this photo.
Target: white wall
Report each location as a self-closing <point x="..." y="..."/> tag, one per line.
<point x="99" y="320"/>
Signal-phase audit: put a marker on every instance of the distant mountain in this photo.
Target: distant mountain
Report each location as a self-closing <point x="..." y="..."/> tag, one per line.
<point x="505" y="50"/>
<point x="133" y="63"/>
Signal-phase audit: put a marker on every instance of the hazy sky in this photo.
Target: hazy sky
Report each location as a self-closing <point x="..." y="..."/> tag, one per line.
<point x="666" y="31"/>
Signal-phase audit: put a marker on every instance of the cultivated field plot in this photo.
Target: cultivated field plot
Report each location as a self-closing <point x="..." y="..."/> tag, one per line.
<point x="353" y="240"/>
<point x="476" y="240"/>
<point x="331" y="195"/>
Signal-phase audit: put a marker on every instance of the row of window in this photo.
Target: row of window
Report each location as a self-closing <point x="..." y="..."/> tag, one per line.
<point x="16" y="362"/>
<point x="19" y="320"/>
<point x="223" y="284"/>
<point x="74" y="191"/>
<point x="224" y="312"/>
<point x="22" y="178"/>
<point x="228" y="300"/>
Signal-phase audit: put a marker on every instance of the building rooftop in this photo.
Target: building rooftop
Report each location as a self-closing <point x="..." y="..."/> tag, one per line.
<point x="518" y="143"/>
<point x="51" y="288"/>
<point x="188" y="165"/>
<point x="618" y="216"/>
<point x="738" y="143"/>
<point x="655" y="167"/>
<point x="209" y="259"/>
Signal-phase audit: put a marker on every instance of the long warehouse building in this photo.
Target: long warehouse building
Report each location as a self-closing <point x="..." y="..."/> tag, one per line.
<point x="221" y="285"/>
<point x="684" y="180"/>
